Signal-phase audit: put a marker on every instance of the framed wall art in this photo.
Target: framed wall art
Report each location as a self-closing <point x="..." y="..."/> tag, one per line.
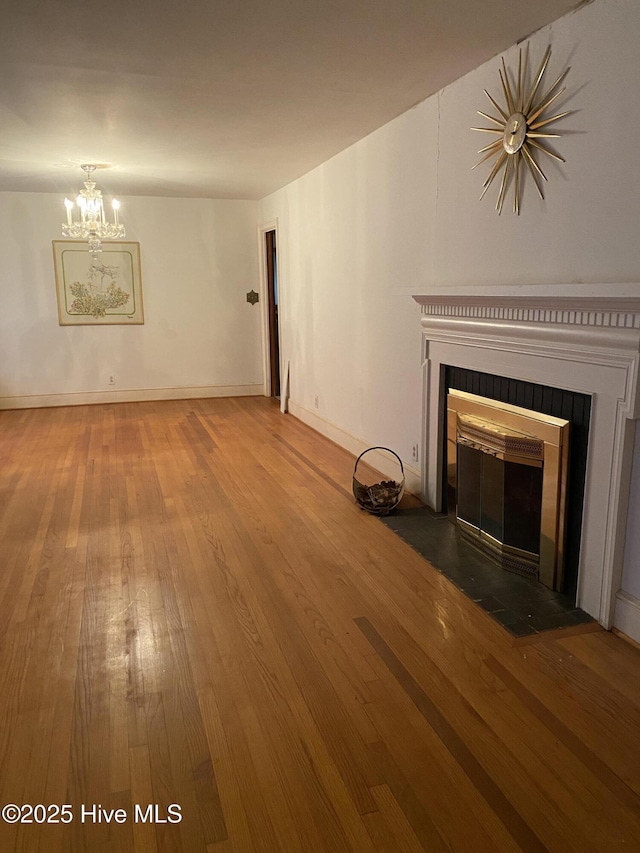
<point x="98" y="291"/>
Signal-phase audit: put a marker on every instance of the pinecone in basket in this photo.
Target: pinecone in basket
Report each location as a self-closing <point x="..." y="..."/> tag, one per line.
<point x="383" y="493"/>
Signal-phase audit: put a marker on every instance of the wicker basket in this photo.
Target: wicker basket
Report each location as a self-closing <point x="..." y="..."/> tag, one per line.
<point x="379" y="498"/>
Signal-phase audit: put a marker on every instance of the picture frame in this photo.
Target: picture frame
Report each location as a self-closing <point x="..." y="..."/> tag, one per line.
<point x="106" y="290"/>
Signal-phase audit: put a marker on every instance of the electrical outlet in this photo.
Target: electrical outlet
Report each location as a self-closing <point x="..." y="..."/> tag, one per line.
<point x="112" y="379"/>
<point x="317" y="402"/>
<point x="414" y="452"/>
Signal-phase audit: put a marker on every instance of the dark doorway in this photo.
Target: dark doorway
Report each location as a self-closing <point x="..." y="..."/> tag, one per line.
<point x="272" y="289"/>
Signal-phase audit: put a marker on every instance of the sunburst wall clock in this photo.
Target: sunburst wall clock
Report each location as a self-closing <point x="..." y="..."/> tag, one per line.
<point x="519" y="128"/>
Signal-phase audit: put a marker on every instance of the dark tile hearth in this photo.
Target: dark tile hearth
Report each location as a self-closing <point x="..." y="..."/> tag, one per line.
<point x="521" y="605"/>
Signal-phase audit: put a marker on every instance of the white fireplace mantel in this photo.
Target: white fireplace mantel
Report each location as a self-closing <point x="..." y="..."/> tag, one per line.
<point x="584" y="343"/>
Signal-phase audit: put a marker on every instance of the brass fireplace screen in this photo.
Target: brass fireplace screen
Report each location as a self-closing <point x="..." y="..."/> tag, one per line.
<point x="507" y="473"/>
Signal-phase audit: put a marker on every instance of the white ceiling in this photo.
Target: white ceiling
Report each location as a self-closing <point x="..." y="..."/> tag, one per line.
<point x="226" y="98"/>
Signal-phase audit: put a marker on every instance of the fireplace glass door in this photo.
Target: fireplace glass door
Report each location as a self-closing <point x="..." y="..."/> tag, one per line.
<point x="501" y="500"/>
<point x="507" y="475"/>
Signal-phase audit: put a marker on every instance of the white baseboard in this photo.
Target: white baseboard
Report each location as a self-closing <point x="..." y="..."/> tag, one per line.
<point x="130" y="395"/>
<point x="627" y="615"/>
<point x="377" y="459"/>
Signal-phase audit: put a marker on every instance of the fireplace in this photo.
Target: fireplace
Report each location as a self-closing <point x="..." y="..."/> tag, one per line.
<point x="507" y="473"/>
<point x="581" y="344"/>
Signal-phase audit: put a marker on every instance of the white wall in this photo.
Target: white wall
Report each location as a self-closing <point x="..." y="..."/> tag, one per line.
<point x="352" y="234"/>
<point x="199" y="258"/>
<point x="585" y="230"/>
<point x="398" y="213"/>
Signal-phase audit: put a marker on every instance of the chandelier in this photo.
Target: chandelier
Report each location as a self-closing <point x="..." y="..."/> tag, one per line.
<point x="92" y="224"/>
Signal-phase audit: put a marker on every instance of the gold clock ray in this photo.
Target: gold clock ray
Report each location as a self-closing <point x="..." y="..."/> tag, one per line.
<point x="518" y="127"/>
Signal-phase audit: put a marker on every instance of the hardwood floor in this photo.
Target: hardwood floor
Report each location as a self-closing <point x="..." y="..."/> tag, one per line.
<point x="193" y="611"/>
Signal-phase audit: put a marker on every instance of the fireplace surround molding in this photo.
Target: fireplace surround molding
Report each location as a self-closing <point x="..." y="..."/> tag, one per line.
<point x="583" y="343"/>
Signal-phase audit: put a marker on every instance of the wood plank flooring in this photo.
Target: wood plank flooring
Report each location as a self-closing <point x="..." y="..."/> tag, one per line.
<point x="193" y="611"/>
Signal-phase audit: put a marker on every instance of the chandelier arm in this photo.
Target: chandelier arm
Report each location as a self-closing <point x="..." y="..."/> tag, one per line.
<point x="92" y="224"/>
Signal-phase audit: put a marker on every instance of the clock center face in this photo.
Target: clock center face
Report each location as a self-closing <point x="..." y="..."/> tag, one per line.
<point x="515" y="132"/>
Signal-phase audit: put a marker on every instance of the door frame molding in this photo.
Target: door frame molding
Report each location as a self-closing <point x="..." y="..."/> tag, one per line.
<point x="263" y="228"/>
